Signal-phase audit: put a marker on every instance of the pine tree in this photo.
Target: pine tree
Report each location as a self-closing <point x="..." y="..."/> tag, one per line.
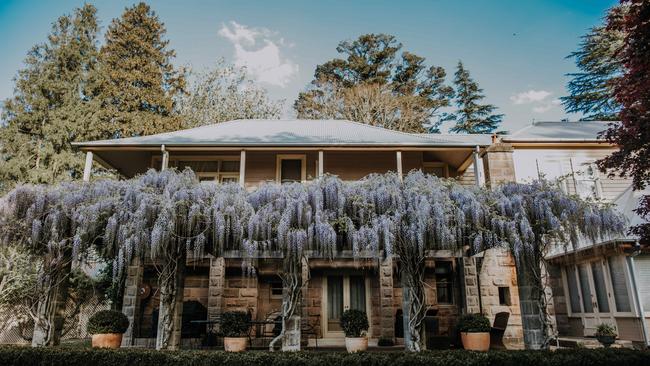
<point x="377" y="85"/>
<point x="592" y="89"/>
<point x="470" y="116"/>
<point x="138" y="80"/>
<point x="50" y="107"/>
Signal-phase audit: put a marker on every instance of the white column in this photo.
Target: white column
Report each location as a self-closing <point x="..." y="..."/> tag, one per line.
<point x="165" y="158"/>
<point x="479" y="178"/>
<point x="88" y="167"/>
<point x="242" y="168"/>
<point x="399" y="165"/>
<point x="320" y="163"/>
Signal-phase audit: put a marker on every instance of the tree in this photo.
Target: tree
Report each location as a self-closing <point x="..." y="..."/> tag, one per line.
<point x="225" y="93"/>
<point x="592" y="89"/>
<point x="632" y="91"/>
<point x="377" y="85"/>
<point x="138" y="81"/>
<point x="470" y="116"/>
<point x="50" y="107"/>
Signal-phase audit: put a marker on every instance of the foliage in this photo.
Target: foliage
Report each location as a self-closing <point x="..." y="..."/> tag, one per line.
<point x="235" y="324"/>
<point x="50" y="107"/>
<point x="470" y="116"/>
<point x="592" y="89"/>
<point x="225" y="93"/>
<point x="354" y="323"/>
<point x="107" y="321"/>
<point x="138" y="81"/>
<point x="376" y="85"/>
<point x="10" y="356"/>
<point x="605" y="330"/>
<point x="632" y="91"/>
<point x="473" y="323"/>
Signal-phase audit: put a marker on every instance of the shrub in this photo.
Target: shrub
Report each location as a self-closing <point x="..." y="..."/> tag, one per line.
<point x="473" y="323"/>
<point x="53" y="356"/>
<point x="354" y="323"/>
<point x="235" y="324"/>
<point x="107" y="321"/>
<point x="605" y="330"/>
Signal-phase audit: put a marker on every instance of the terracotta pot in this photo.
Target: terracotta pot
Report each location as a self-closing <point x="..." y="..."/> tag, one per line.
<point x="475" y="341"/>
<point x="606" y="341"/>
<point x="235" y="344"/>
<point x="107" y="340"/>
<point x="356" y="344"/>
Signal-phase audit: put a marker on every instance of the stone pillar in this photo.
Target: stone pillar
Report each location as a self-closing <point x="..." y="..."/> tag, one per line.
<point x="131" y="302"/>
<point x="216" y="283"/>
<point x="472" y="304"/>
<point x="291" y="340"/>
<point x="386" y="308"/>
<point x="304" y="298"/>
<point x="498" y="164"/>
<point x="560" y="307"/>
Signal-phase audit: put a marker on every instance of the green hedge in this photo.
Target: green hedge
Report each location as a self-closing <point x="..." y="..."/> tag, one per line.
<point x="26" y="356"/>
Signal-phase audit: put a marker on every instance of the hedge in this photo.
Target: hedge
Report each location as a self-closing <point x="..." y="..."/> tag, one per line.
<point x="27" y="356"/>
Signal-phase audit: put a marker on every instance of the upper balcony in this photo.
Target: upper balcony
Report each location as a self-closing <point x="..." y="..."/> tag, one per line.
<point x="256" y="151"/>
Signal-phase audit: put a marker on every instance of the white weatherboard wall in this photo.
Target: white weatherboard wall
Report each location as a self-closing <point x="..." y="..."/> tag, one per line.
<point x="554" y="163"/>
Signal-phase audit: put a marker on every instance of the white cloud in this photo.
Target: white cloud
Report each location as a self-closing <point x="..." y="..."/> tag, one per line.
<point x="261" y="52"/>
<point x="546" y="105"/>
<point x="530" y="96"/>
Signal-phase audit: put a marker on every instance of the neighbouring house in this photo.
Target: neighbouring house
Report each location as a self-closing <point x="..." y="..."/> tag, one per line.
<point x="605" y="282"/>
<point x="254" y="151"/>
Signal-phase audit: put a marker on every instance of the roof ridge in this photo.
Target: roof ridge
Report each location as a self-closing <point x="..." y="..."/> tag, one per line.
<point x="381" y="128"/>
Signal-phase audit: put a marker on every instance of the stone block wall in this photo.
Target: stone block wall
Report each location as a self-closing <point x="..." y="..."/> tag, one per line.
<point x="498" y="164"/>
<point x="131" y="301"/>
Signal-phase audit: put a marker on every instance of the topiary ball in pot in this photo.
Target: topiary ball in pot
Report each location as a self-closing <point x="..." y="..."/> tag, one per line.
<point x="107" y="327"/>
<point x="474" y="332"/>
<point x="234" y="328"/>
<point x="355" y="325"/>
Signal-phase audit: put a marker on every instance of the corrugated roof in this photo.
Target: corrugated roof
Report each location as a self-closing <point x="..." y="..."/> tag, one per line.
<point x="255" y="132"/>
<point x="586" y="131"/>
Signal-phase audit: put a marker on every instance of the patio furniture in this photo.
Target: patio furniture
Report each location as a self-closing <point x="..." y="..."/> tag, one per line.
<point x="498" y="329"/>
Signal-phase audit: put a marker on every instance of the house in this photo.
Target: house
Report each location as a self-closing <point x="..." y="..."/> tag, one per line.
<point x="254" y="151"/>
<point x="605" y="282"/>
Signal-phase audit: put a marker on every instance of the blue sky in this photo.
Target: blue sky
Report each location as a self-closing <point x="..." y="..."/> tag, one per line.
<point x="515" y="49"/>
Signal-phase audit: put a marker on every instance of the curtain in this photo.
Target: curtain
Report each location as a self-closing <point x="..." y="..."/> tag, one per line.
<point x="357" y="293"/>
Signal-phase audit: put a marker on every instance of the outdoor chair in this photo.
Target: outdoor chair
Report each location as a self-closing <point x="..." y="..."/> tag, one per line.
<point x="498" y="329"/>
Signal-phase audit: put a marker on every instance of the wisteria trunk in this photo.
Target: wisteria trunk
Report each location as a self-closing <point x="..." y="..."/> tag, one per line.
<point x="172" y="285"/>
<point x="414" y="305"/>
<point x="533" y="301"/>
<point x="291" y="294"/>
<point x="49" y="313"/>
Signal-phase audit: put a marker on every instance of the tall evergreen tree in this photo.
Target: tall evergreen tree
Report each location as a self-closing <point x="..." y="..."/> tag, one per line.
<point x="375" y="84"/>
<point x="50" y="106"/>
<point x="138" y="80"/>
<point x="471" y="117"/>
<point x="591" y="91"/>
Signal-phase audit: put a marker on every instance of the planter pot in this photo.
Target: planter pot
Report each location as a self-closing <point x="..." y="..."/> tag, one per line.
<point x="108" y="340"/>
<point x="476" y="341"/>
<point x="606" y="341"/>
<point x="235" y="344"/>
<point x="356" y="344"/>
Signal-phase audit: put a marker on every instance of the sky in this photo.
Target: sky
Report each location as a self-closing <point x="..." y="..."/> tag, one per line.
<point x="515" y="50"/>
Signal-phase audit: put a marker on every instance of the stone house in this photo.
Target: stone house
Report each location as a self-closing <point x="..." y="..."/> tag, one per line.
<point x="255" y="151"/>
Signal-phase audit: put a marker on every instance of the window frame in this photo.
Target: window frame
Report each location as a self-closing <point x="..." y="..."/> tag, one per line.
<point x="278" y="165"/>
<point x="436" y="164"/>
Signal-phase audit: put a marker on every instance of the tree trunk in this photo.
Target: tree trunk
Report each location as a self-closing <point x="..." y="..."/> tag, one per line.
<point x="50" y="310"/>
<point x="172" y="285"/>
<point x="532" y="301"/>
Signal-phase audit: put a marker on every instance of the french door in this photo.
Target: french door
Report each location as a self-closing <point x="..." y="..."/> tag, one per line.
<point x="590" y="289"/>
<point x="342" y="292"/>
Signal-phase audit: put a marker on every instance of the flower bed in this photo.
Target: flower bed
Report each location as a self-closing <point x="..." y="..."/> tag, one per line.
<point x="26" y="356"/>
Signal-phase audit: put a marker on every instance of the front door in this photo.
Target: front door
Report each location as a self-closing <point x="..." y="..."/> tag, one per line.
<point x="342" y="292"/>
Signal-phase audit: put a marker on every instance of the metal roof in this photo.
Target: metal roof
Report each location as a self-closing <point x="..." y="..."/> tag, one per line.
<point x="258" y="132"/>
<point x="582" y="131"/>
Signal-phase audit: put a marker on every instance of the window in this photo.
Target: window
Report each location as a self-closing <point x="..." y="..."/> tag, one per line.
<point x="444" y="282"/>
<point x="291" y="168"/>
<point x="574" y="294"/>
<point x="207" y="168"/>
<point x="276" y="289"/>
<point x="583" y="275"/>
<point x="619" y="284"/>
<point x="504" y="296"/>
<point x="586" y="179"/>
<point x="438" y="169"/>
<point x="552" y="170"/>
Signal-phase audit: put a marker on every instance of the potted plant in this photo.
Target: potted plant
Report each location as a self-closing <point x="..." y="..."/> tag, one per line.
<point x="474" y="332"/>
<point x="234" y="328"/>
<point x="606" y="334"/>
<point x="107" y="327"/>
<point x="355" y="325"/>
